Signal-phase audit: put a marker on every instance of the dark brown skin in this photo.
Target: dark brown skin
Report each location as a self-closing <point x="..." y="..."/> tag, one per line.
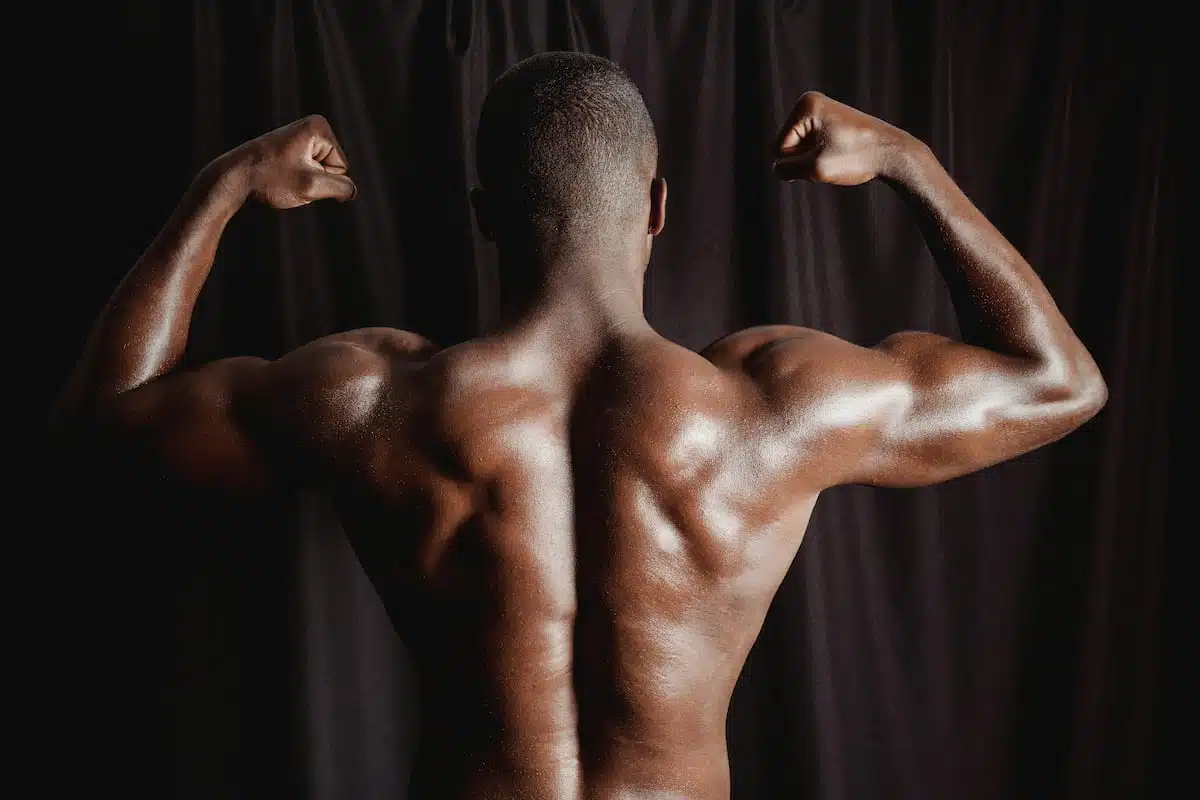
<point x="577" y="525"/>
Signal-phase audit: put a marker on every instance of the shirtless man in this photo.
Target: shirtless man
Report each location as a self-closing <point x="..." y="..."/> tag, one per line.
<point x="577" y="525"/>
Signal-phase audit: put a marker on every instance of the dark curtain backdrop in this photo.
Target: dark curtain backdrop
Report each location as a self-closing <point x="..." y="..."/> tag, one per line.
<point x="1006" y="635"/>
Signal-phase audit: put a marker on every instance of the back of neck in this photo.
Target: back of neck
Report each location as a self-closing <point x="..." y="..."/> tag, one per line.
<point x="591" y="292"/>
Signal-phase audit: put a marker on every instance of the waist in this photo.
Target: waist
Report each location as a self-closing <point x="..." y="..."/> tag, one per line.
<point x="615" y="771"/>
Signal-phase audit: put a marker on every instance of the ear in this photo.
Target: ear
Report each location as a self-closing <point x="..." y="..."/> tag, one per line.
<point x="658" y="206"/>
<point x="483" y="212"/>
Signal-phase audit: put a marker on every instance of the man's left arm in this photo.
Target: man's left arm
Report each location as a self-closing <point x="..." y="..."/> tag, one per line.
<point x="210" y="423"/>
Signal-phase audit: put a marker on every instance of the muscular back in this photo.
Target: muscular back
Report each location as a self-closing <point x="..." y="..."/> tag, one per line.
<point x="579" y="537"/>
<point x="580" y="556"/>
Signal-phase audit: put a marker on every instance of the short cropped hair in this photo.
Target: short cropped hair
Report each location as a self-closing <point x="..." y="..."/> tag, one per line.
<point x="565" y="140"/>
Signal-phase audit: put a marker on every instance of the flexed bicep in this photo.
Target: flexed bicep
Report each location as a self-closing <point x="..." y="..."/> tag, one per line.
<point x="248" y="425"/>
<point x="916" y="409"/>
<point x="193" y="425"/>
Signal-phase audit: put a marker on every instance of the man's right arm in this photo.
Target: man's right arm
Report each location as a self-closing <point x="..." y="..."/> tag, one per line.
<point x="920" y="408"/>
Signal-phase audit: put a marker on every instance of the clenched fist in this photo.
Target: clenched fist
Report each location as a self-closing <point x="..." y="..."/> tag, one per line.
<point x="830" y="142"/>
<point x="294" y="165"/>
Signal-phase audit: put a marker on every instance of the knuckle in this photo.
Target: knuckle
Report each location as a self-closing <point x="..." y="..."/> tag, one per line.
<point x="811" y="99"/>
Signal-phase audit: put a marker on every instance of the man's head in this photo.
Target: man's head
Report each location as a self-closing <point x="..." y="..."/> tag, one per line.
<point x="566" y="152"/>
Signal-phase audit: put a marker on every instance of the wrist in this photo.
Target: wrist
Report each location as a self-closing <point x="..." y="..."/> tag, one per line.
<point x="231" y="176"/>
<point x="907" y="159"/>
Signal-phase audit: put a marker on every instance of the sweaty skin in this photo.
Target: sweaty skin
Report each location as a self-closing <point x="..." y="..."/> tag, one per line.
<point x="576" y="525"/>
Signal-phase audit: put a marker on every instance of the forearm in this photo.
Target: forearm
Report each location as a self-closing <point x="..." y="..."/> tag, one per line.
<point x="142" y="332"/>
<point x="1000" y="301"/>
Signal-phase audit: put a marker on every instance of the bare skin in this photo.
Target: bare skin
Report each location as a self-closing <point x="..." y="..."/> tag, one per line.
<point x="577" y="525"/>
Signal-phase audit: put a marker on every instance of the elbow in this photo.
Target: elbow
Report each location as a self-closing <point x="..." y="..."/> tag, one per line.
<point x="1090" y="392"/>
<point x="74" y="417"/>
<point x="1093" y="395"/>
<point x="1070" y="392"/>
<point x="1082" y="395"/>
